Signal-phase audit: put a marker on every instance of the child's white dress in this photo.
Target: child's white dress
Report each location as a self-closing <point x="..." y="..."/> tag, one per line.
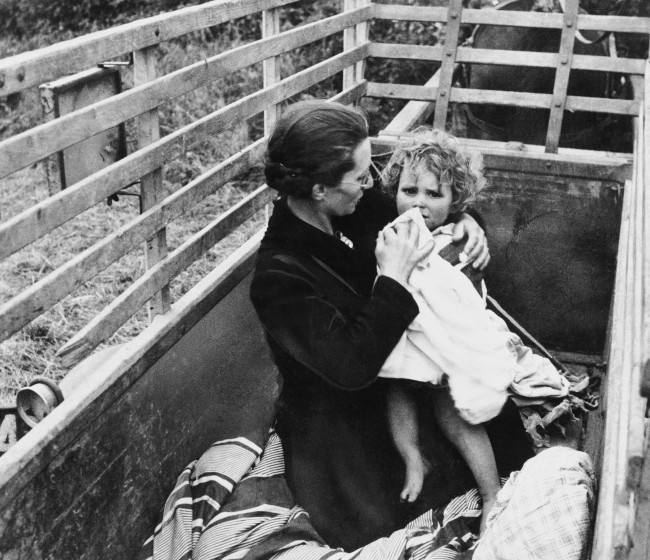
<point x="454" y="334"/>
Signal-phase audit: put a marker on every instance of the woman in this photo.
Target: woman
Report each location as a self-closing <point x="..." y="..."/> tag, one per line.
<point x="330" y="290"/>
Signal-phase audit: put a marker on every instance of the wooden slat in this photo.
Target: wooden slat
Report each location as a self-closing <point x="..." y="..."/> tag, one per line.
<point x="353" y="37"/>
<point x="42" y="295"/>
<point x="349" y="42"/>
<point x="493" y="17"/>
<point x="56" y="210"/>
<point x="361" y="37"/>
<point x="409" y="52"/>
<point x="448" y="63"/>
<point x="641" y="530"/>
<point x="602" y="105"/>
<point x="512" y="18"/>
<point x="641" y="549"/>
<point x="640" y="256"/>
<point x="569" y="162"/>
<point x="610" y="507"/>
<point x="409" y="13"/>
<point x="35" y="67"/>
<point x="65" y="424"/>
<point x="352" y="95"/>
<point x="508" y="58"/>
<point x="128" y="302"/>
<point x="616" y="24"/>
<point x="498" y="97"/>
<point x="32" y="145"/>
<point x="562" y="74"/>
<point x="151" y="185"/>
<point x="423" y="93"/>
<point x="624" y="441"/>
<point x="414" y="112"/>
<point x="270" y="66"/>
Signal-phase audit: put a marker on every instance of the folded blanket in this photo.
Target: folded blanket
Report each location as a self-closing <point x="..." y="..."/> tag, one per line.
<point x="544" y="511"/>
<point x="233" y="503"/>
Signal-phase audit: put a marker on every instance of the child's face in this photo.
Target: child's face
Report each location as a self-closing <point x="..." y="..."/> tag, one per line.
<point x="418" y="187"/>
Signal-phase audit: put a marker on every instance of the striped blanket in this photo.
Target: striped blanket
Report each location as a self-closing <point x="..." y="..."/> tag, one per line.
<point x="233" y="503"/>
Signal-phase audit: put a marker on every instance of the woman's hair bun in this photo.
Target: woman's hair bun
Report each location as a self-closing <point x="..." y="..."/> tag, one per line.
<point x="287" y="180"/>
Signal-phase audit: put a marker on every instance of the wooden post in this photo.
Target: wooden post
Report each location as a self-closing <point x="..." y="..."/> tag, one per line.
<point x="562" y="73"/>
<point x="148" y="131"/>
<point x="448" y="63"/>
<point x="271" y="66"/>
<point x="641" y="527"/>
<point x="361" y="31"/>
<point x="353" y="37"/>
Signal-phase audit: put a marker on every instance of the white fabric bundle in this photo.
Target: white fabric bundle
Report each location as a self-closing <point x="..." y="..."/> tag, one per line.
<point x="454" y="334"/>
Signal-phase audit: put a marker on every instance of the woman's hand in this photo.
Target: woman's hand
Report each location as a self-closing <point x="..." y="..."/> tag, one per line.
<point x="397" y="252"/>
<point x="476" y="247"/>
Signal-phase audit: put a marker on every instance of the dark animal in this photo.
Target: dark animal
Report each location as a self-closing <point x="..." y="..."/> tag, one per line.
<point x="596" y="131"/>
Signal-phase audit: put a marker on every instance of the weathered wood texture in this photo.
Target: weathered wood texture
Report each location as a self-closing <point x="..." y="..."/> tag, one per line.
<point x="506" y="18"/>
<point x="32" y="145"/>
<point x="271" y="66"/>
<point x="54" y="211"/>
<point x="508" y="58"/>
<point x="553" y="246"/>
<point x="623" y="495"/>
<point x="448" y="63"/>
<point x="562" y="72"/>
<point x="111" y="318"/>
<point x="35" y="67"/>
<point x="90" y="481"/>
<point x="500" y="97"/>
<point x="145" y="69"/>
<point x="39" y="297"/>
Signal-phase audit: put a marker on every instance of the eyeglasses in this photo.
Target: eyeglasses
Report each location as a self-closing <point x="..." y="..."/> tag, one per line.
<point x="364" y="181"/>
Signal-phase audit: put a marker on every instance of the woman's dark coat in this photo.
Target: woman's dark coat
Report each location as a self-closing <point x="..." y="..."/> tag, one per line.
<point x="331" y="326"/>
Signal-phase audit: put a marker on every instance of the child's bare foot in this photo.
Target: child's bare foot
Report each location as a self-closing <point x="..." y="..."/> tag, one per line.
<point x="488" y="504"/>
<point x="416" y="469"/>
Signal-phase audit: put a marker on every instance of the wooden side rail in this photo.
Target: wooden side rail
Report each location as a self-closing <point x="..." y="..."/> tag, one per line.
<point x="30" y="303"/>
<point x="622" y="487"/>
<point x="511" y="18"/>
<point x="508" y="58"/>
<point x="56" y="210"/>
<point x="52" y="288"/>
<point x="32" y="145"/>
<point x="569" y="22"/>
<point x="499" y="97"/>
<point x="67" y="57"/>
<point x="112" y="317"/>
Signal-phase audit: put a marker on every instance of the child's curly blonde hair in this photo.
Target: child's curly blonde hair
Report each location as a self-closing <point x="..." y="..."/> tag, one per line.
<point x="442" y="155"/>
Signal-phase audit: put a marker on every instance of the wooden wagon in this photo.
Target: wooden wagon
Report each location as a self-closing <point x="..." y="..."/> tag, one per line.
<point x="569" y="231"/>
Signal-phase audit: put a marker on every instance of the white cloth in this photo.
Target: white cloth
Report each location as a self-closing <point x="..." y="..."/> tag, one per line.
<point x="543" y="511"/>
<point x="454" y="334"/>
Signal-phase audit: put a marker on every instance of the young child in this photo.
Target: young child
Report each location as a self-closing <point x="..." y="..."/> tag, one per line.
<point x="455" y="340"/>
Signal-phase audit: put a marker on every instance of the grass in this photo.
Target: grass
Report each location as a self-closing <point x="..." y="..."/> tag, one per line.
<point x="32" y="351"/>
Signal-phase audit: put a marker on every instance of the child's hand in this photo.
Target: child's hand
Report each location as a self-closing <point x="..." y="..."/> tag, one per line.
<point x="476" y="247"/>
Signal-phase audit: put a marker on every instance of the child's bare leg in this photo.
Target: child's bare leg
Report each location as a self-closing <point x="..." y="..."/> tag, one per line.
<point x="403" y="422"/>
<point x="473" y="444"/>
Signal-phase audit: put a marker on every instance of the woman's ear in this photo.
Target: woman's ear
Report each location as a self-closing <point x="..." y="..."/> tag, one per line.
<point x="318" y="192"/>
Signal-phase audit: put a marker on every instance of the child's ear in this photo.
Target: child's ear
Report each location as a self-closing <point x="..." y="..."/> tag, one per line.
<point x="318" y="192"/>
